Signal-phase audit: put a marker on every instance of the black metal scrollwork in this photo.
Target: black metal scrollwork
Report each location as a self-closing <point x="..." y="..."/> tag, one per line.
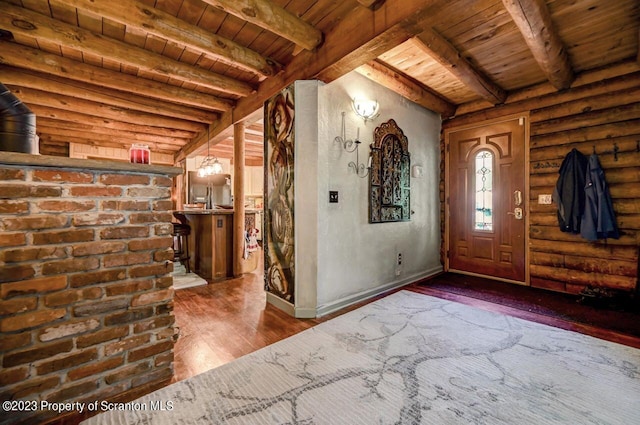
<point x="389" y="185"/>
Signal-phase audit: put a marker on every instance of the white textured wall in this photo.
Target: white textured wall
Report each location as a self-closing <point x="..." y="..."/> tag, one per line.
<point x="356" y="259"/>
<point x="340" y="257"/>
<point x="306" y="197"/>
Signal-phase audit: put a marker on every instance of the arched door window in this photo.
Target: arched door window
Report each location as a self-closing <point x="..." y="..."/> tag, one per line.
<point x="483" y="217"/>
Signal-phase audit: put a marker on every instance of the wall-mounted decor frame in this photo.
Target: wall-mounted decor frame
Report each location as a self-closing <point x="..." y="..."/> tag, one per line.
<point x="389" y="177"/>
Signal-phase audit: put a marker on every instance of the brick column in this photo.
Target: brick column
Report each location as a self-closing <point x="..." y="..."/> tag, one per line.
<point x="86" y="293"/>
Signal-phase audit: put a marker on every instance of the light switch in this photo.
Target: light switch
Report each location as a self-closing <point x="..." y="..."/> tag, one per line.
<point x="333" y="196"/>
<point x="544" y="199"/>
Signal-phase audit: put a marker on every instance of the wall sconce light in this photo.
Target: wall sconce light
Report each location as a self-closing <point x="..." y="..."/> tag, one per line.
<point x="350" y="146"/>
<point x="365" y="108"/>
<point x="210" y="165"/>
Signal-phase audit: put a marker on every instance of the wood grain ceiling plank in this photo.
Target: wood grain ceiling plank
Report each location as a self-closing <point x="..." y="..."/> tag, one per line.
<point x="534" y="21"/>
<point x="51" y="126"/>
<point x="343" y="50"/>
<point x="80" y="118"/>
<point x="116" y="137"/>
<point x="102" y="141"/>
<point x="167" y="27"/>
<point x="63" y="13"/>
<point x="37" y="6"/>
<point x="507" y="59"/>
<point x="482" y="21"/>
<point x="450" y="13"/>
<point x="98" y="94"/>
<point x="371" y="4"/>
<point x="391" y="79"/>
<point x="325" y="15"/>
<point x="38" y="97"/>
<point x="227" y="146"/>
<point x="25" y="22"/>
<point x="273" y="18"/>
<point x="24" y="57"/>
<point x="442" y="51"/>
<point x="113" y="29"/>
<point x="409" y="58"/>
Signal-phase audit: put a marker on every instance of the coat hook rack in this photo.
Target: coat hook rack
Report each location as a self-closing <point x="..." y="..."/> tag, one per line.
<point x="615" y="150"/>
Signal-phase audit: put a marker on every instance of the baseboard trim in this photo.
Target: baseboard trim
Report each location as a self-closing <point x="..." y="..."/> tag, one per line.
<point x="281" y="304"/>
<point x="305" y="313"/>
<point x="334" y="306"/>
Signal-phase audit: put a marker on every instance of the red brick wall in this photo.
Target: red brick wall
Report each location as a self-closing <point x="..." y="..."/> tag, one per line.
<point x="85" y="286"/>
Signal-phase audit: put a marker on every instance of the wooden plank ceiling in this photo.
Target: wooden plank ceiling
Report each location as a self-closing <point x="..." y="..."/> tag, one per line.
<point x="172" y="73"/>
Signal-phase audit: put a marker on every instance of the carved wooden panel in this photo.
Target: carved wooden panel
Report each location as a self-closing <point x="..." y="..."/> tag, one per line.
<point x="279" y="264"/>
<point x="389" y="185"/>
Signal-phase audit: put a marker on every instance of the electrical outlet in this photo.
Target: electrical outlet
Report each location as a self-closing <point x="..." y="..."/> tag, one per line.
<point x="544" y="199"/>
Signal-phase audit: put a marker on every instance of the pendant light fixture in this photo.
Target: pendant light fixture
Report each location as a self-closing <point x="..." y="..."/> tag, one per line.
<point x="210" y="165"/>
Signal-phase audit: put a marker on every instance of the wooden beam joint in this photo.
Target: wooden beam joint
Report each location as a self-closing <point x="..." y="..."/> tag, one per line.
<point x="533" y="19"/>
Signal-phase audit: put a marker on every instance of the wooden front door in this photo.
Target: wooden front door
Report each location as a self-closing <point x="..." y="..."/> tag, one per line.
<point x="487" y="200"/>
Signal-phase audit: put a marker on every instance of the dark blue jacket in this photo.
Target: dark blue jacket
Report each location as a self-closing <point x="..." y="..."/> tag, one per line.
<point x="599" y="219"/>
<point x="569" y="191"/>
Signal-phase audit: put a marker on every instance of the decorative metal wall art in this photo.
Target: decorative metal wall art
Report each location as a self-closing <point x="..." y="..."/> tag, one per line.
<point x="279" y="270"/>
<point x="389" y="183"/>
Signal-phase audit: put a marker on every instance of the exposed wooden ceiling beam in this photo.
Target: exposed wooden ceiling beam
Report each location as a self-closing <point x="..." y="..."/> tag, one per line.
<point x="51" y="126"/>
<point x="79" y="118"/>
<point x="227" y="148"/>
<point x="376" y="39"/>
<point x="97" y="139"/>
<point x="29" y="58"/>
<point x="448" y="56"/>
<point x="27" y="23"/>
<point x="68" y="103"/>
<point x="415" y="92"/>
<point x="98" y="94"/>
<point x="638" y="56"/>
<point x="274" y="18"/>
<point x="135" y="14"/>
<point x="371" y="4"/>
<point x="533" y="19"/>
<point x="113" y="143"/>
<point x="343" y="50"/>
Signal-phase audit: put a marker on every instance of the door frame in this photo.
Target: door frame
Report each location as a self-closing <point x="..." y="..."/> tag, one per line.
<point x="447" y="183"/>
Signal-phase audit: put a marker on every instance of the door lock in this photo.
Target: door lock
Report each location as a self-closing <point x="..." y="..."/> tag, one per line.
<point x="517" y="213"/>
<point x="517" y="198"/>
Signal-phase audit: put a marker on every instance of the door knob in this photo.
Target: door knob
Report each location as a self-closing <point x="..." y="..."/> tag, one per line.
<point x="517" y="213"/>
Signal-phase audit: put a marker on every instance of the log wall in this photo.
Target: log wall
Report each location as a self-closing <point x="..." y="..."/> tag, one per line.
<point x="603" y="116"/>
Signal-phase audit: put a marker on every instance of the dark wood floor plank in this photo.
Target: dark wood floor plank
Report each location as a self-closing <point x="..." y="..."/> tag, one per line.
<point x="225" y="320"/>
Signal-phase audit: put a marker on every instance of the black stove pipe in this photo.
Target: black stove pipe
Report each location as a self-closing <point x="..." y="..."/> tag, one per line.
<point x="17" y="125"/>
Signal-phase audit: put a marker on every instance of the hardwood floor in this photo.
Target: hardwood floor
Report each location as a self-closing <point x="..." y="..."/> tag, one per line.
<point x="613" y="320"/>
<point x="222" y="321"/>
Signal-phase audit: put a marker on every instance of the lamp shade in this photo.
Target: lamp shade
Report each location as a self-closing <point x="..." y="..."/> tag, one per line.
<point x="366" y="108"/>
<point x="210" y="165"/>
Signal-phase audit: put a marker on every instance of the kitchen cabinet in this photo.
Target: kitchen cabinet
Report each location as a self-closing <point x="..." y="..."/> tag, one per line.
<point x="253" y="181"/>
